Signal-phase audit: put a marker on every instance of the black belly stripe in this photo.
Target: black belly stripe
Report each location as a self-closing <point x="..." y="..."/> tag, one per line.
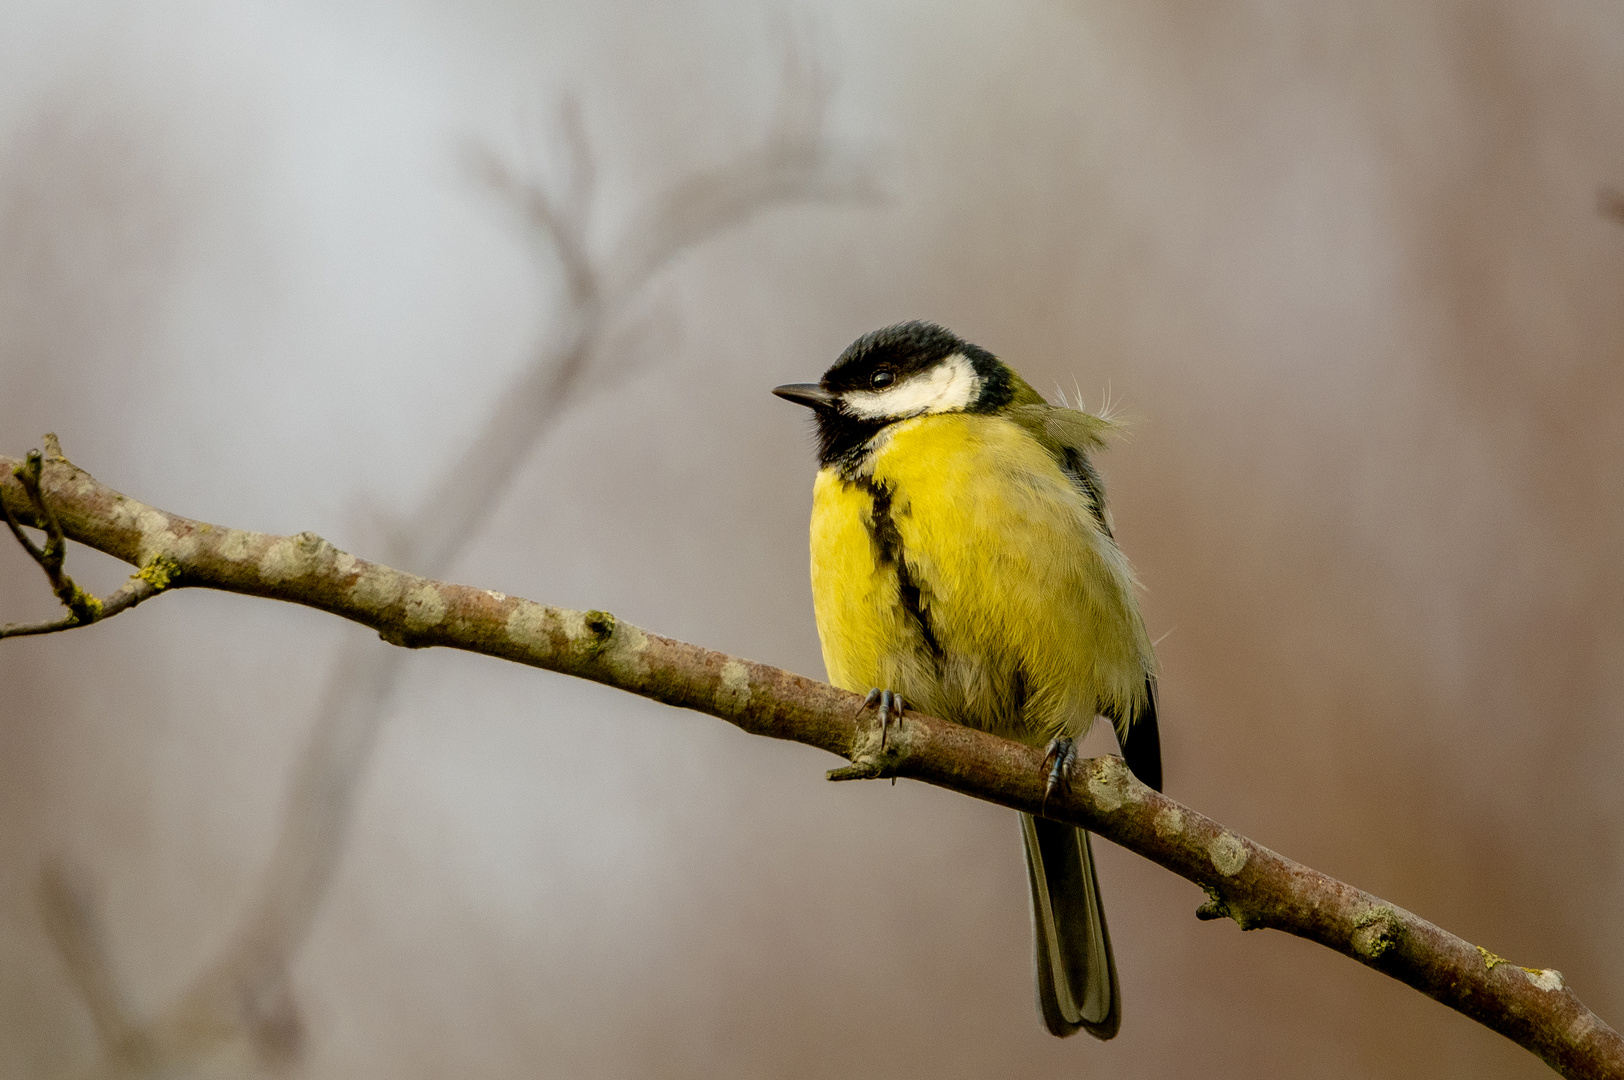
<point x="882" y="530"/>
<point x="1016" y="705"/>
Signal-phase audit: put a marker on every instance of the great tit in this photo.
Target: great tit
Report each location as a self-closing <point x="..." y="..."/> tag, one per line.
<point x="963" y="563"/>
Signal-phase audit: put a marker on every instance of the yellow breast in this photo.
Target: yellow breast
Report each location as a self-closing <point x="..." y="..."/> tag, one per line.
<point x="962" y="568"/>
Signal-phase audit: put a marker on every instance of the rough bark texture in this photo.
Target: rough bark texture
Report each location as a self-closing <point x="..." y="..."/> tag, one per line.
<point x="1245" y="881"/>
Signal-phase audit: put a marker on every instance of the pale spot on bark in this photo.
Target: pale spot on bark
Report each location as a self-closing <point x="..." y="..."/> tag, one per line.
<point x="345" y="563"/>
<point x="1169" y="822"/>
<point x="151" y="522"/>
<point x="734" y="691"/>
<point x="376" y="588"/>
<point x="573" y="623"/>
<point x="156" y="539"/>
<point x="281" y="560"/>
<point x="531" y="625"/>
<point x="1228" y="853"/>
<point x="425" y="607"/>
<point x="234" y="545"/>
<point x="626" y="658"/>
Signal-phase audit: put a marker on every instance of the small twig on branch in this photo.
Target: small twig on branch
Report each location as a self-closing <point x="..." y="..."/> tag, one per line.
<point x="1244" y="880"/>
<point x="83" y="608"/>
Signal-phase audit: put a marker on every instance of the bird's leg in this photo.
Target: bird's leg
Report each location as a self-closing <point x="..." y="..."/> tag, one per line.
<point x="1056" y="760"/>
<point x="891" y="707"/>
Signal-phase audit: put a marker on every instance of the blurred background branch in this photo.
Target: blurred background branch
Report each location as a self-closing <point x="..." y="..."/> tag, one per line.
<point x="1610" y="203"/>
<point x="244" y="992"/>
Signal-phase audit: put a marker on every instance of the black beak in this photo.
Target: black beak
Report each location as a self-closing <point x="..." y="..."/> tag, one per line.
<point x="809" y="394"/>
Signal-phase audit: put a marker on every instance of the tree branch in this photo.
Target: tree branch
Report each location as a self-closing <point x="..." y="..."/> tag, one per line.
<point x="1244" y="880"/>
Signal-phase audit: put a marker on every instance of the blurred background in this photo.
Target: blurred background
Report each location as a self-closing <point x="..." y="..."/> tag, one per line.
<point x="496" y="291"/>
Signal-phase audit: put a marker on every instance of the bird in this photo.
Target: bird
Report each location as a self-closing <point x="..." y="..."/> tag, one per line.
<point x="964" y="565"/>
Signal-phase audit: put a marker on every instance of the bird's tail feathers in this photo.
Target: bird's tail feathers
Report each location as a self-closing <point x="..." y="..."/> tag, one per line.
<point x="1077" y="985"/>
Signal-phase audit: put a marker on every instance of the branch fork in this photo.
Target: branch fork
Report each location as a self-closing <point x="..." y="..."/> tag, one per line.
<point x="83" y="608"/>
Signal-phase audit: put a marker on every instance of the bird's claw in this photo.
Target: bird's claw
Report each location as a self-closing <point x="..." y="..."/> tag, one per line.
<point x="1056" y="760"/>
<point x="891" y="707"/>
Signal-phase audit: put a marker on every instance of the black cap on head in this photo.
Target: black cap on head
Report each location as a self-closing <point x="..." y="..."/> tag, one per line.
<point x="883" y="358"/>
<point x="905" y="348"/>
<point x="911" y="347"/>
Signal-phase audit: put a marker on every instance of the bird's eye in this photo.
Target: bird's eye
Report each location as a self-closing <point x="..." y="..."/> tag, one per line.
<point x="882" y="378"/>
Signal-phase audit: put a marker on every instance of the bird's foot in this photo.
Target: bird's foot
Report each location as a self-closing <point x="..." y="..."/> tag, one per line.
<point x="891" y="707"/>
<point x="1056" y="760"/>
<point x="870" y="765"/>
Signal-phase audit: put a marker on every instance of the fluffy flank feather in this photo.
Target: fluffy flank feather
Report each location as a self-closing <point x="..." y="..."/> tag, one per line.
<point x="1110" y="412"/>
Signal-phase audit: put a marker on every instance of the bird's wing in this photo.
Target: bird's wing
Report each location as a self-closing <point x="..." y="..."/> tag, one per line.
<point x="1141" y="739"/>
<point x="1070" y="435"/>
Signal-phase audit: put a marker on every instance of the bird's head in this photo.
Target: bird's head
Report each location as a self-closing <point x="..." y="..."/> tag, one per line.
<point x="903" y="371"/>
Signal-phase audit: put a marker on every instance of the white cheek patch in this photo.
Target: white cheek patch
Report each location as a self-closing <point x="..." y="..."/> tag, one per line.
<point x="948" y="387"/>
